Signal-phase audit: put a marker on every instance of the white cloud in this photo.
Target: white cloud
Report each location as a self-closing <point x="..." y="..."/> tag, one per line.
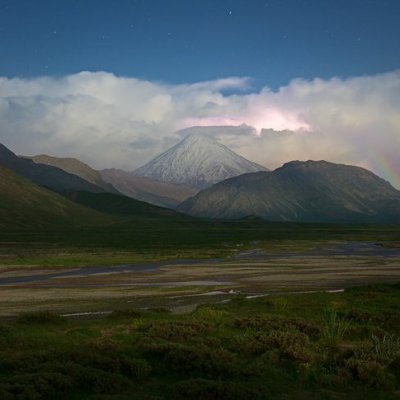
<point x="111" y="121"/>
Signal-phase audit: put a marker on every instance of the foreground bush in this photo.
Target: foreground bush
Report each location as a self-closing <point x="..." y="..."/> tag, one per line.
<point x="241" y="350"/>
<point x="202" y="389"/>
<point x="41" y="317"/>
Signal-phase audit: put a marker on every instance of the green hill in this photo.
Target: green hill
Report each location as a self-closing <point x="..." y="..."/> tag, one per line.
<point x="120" y="205"/>
<point x="46" y="176"/>
<point x="23" y="204"/>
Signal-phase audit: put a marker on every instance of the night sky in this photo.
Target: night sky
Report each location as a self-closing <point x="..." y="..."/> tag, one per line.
<point x="114" y="83"/>
<point x="180" y="41"/>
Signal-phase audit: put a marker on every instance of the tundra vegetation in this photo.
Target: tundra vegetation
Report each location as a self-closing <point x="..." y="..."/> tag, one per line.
<point x="301" y="346"/>
<point x="318" y="346"/>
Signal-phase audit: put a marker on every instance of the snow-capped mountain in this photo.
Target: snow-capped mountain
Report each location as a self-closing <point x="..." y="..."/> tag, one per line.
<point x="197" y="161"/>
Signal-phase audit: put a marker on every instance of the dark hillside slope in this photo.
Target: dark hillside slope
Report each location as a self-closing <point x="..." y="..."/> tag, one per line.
<point x="312" y="191"/>
<point x="119" y="205"/>
<point x="24" y="204"/>
<point x="45" y="175"/>
<point x="75" y="167"/>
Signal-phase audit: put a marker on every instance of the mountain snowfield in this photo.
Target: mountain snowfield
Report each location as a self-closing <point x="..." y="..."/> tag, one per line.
<point x="197" y="161"/>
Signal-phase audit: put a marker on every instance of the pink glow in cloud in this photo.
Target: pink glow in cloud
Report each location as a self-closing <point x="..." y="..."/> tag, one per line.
<point x="271" y="118"/>
<point x="278" y="120"/>
<point x="223" y="120"/>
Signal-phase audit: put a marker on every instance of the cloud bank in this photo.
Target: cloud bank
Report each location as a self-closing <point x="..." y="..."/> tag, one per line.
<point x="110" y="121"/>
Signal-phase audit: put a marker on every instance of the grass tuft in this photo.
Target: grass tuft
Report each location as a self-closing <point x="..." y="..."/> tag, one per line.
<point x="334" y="328"/>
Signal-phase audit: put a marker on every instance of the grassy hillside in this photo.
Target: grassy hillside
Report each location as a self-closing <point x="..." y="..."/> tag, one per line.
<point x="46" y="176"/>
<point x="120" y="205"/>
<point x="24" y="204"/>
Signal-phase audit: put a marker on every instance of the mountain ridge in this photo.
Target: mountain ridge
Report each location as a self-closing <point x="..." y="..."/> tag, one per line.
<point x="75" y="167"/>
<point x="47" y="176"/>
<point x="163" y="194"/>
<point x="117" y="181"/>
<point x="310" y="191"/>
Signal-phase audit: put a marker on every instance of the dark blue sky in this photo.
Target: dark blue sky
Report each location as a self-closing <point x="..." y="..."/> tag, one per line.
<point x="272" y="41"/>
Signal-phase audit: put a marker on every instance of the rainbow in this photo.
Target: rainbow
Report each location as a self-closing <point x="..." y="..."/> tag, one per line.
<point x="387" y="166"/>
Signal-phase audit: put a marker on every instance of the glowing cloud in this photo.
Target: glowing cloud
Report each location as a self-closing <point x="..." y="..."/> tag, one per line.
<point x="111" y="121"/>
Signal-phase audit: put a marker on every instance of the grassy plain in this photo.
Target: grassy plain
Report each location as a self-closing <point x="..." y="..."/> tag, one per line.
<point x="218" y="342"/>
<point x="149" y="239"/>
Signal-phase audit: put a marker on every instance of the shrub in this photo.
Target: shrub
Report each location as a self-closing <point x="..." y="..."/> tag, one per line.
<point x="6" y="336"/>
<point x="302" y="325"/>
<point x="135" y="368"/>
<point x="211" y="315"/>
<point x="109" y="360"/>
<point x="357" y="316"/>
<point x="4" y="393"/>
<point x="98" y="381"/>
<point x="41" y="317"/>
<point x="248" y="344"/>
<point x="386" y="347"/>
<point x="73" y="371"/>
<point x="38" y="385"/>
<point x="291" y="345"/>
<point x="137" y="323"/>
<point x="251" y="322"/>
<point x="370" y="372"/>
<point x="130" y="396"/>
<point x="125" y="314"/>
<point x="281" y="304"/>
<point x="83" y="332"/>
<point x="201" y="362"/>
<point x="202" y="389"/>
<point x="160" y="310"/>
<point x="156" y="349"/>
<point x="309" y="328"/>
<point x="394" y="366"/>
<point x="209" y="342"/>
<point x="177" y="330"/>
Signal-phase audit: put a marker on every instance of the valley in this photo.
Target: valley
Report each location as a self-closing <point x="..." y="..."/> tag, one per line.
<point x="276" y="315"/>
<point x="93" y="274"/>
<point x="148" y="302"/>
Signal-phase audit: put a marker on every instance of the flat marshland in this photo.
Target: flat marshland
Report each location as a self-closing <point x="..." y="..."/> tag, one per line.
<point x="200" y="310"/>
